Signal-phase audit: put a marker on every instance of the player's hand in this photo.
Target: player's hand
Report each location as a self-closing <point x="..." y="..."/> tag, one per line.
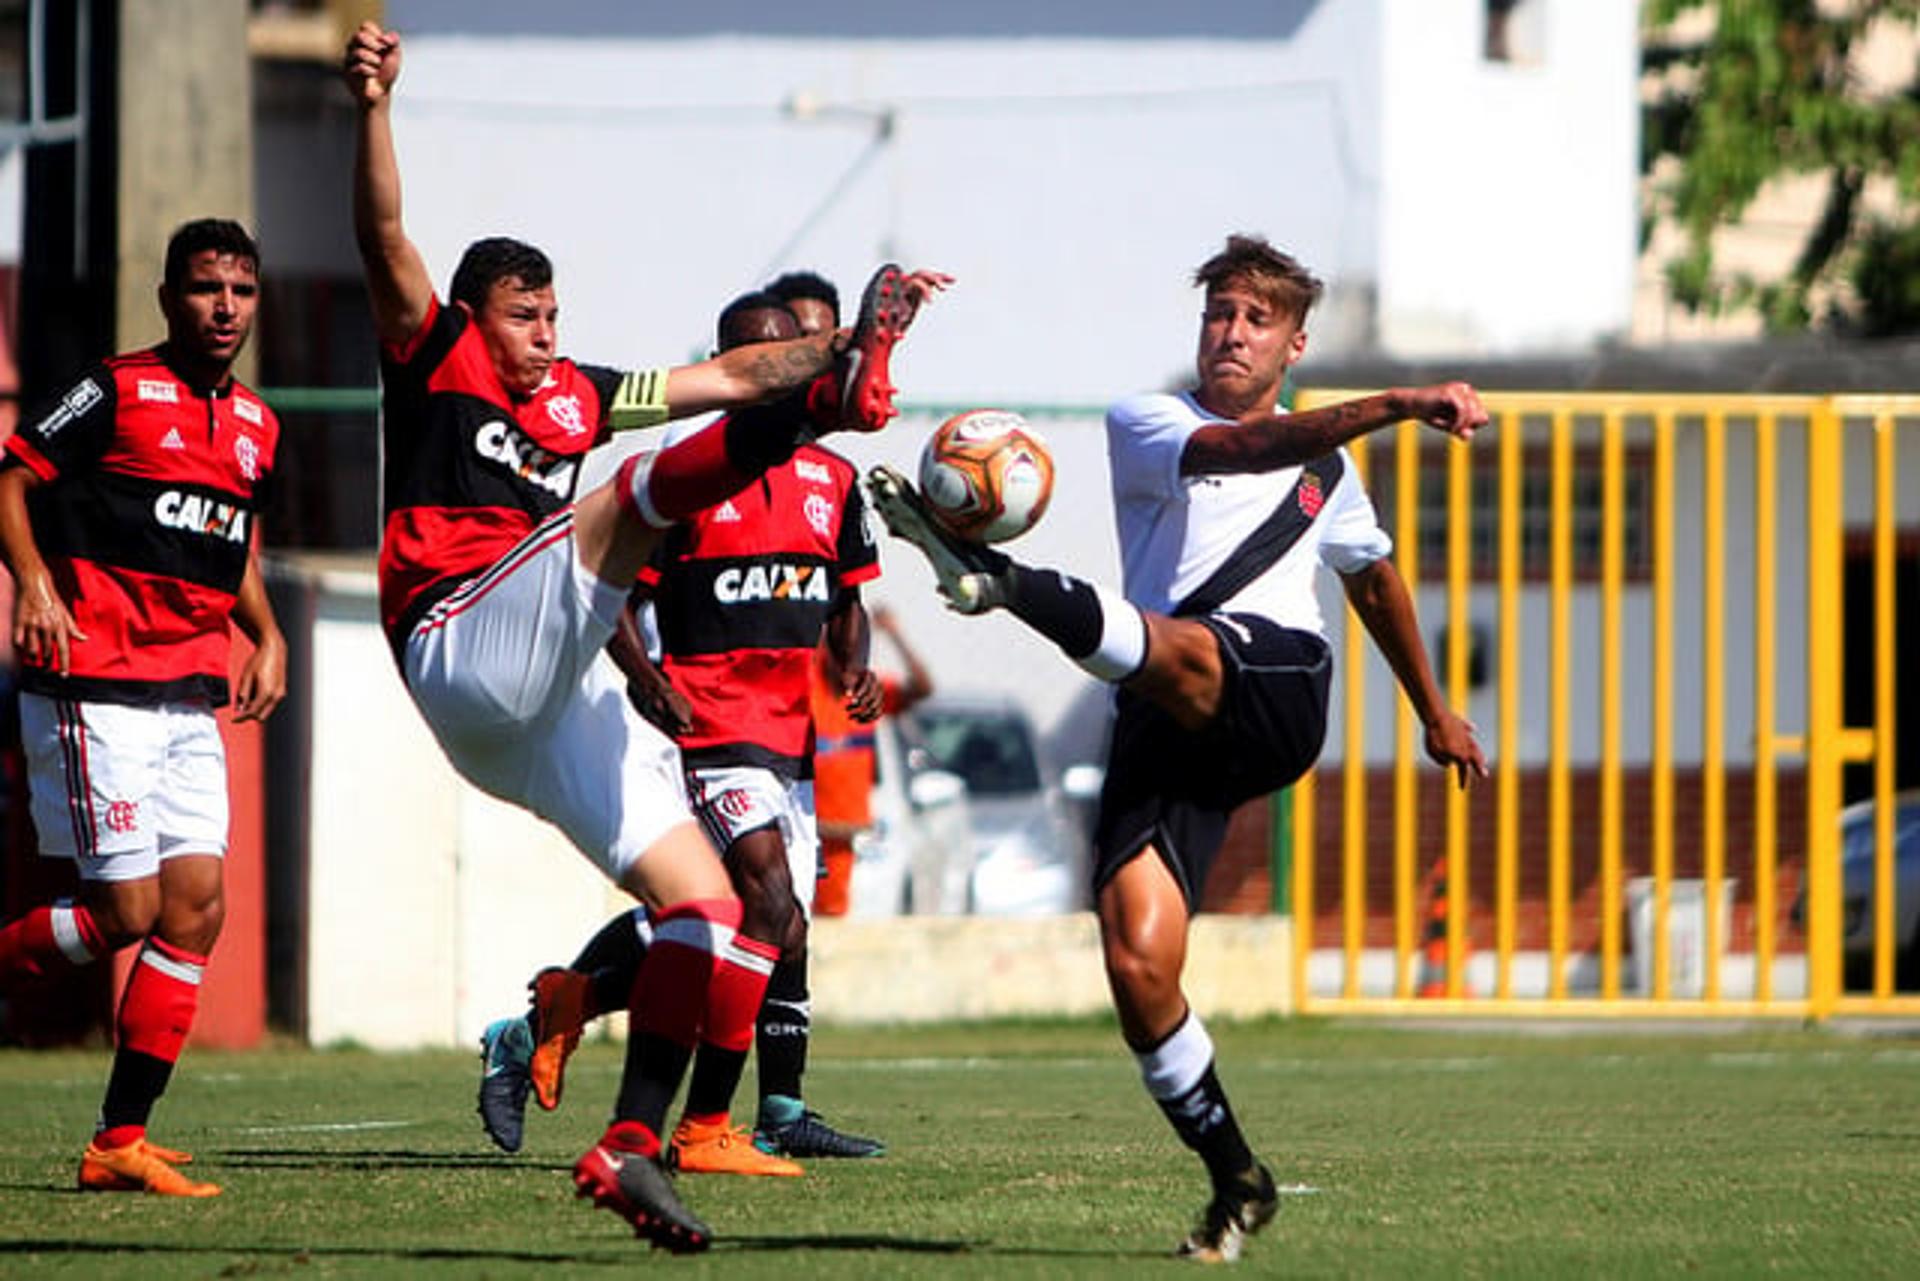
<point x="662" y="706"/>
<point x="920" y="287"/>
<point x="1454" y="408"/>
<point x="263" y="680"/>
<point x="372" y="63"/>
<point x="865" y="696"/>
<point x="1452" y="743"/>
<point x="43" y="630"/>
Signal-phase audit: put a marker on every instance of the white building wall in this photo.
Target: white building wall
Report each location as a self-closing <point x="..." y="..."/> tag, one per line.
<point x="1507" y="206"/>
<point x="1070" y="184"/>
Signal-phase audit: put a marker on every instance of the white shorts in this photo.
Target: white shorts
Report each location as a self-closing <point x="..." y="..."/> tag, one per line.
<point x="117" y="789"/>
<point x="732" y="800"/>
<point x="509" y="675"/>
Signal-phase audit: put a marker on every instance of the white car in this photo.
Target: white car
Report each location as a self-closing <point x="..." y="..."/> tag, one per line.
<point x="918" y="856"/>
<point x="1029" y="833"/>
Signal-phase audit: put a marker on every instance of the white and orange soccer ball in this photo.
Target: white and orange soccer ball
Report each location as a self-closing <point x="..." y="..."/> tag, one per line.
<point x="986" y="475"/>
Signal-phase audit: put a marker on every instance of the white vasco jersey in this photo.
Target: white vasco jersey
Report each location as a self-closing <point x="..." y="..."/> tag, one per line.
<point x="1175" y="530"/>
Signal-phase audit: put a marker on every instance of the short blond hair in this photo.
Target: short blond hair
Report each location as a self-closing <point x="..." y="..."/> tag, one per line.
<point x="1275" y="276"/>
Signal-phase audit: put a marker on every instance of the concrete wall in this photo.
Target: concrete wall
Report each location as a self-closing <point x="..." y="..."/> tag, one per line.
<point x="429" y="904"/>
<point x="185" y="140"/>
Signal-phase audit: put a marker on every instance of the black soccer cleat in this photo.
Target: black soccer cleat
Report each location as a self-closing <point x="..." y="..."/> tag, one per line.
<point x="639" y="1190"/>
<point x="505" y="1048"/>
<point x="1231" y="1217"/>
<point x="811" y="1136"/>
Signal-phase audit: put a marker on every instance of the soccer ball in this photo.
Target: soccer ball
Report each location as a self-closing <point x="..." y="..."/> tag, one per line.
<point x="986" y="475"/>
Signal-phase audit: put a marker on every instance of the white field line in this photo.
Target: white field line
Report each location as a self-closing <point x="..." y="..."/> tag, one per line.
<point x="1453" y="1063"/>
<point x="326" y="1127"/>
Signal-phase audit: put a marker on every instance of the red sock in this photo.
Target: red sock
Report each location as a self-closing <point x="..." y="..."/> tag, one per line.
<point x="688" y="941"/>
<point x="738" y="988"/>
<point x="687" y="476"/>
<point x="48" y="941"/>
<point x="631" y="1136"/>
<point x="156" y="1012"/>
<point x="162" y="996"/>
<point x="733" y="1002"/>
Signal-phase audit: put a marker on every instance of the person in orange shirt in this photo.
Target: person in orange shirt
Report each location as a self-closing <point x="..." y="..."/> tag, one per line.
<point x="843" y="761"/>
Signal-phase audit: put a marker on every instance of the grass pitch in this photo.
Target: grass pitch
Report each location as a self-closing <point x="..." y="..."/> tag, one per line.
<point x="1031" y="1151"/>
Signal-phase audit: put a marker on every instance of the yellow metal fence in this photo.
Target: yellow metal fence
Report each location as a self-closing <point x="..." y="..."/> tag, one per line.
<point x="1586" y="512"/>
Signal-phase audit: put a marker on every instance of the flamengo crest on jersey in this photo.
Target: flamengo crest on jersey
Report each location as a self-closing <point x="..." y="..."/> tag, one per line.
<point x="742" y="592"/>
<point x="146" y="519"/>
<point x="471" y="469"/>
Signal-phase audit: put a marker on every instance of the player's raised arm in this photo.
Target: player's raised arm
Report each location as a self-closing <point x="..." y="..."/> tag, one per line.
<point x="747" y="375"/>
<point x="858" y="394"/>
<point x="397" y="278"/>
<point x="1287" y="440"/>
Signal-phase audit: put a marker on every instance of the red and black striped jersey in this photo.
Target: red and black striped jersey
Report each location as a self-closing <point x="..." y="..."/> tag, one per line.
<point x="741" y="592"/>
<point x="470" y="468"/>
<point x="146" y="523"/>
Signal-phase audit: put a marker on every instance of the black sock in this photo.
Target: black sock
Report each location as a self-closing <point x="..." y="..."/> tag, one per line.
<point x="716" y="1075"/>
<point x="1203" y="1119"/>
<point x="1096" y="629"/>
<point x="135" y="1084"/>
<point x="611" y="959"/>
<point x="781" y="1031"/>
<point x="652" y="1077"/>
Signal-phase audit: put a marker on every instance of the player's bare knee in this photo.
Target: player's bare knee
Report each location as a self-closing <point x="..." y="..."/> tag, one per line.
<point x="1182" y="675"/>
<point x="123" y="911"/>
<point x="194" y="927"/>
<point x="793" y="945"/>
<point x="1136" y="963"/>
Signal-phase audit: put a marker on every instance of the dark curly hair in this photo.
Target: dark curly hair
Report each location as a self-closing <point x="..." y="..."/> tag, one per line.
<point x="498" y="258"/>
<point x="221" y="235"/>
<point x="812" y="285"/>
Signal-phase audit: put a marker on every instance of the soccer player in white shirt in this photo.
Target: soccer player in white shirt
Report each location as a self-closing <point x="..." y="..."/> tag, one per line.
<point x="1225" y="506"/>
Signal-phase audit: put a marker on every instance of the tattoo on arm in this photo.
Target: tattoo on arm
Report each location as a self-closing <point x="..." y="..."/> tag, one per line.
<point x="787" y="365"/>
<point x="1291" y="439"/>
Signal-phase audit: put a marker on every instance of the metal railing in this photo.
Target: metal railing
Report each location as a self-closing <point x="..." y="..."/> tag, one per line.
<point x="1564" y="665"/>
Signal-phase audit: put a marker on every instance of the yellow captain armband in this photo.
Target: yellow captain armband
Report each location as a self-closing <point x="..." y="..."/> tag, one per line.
<point x="639" y="401"/>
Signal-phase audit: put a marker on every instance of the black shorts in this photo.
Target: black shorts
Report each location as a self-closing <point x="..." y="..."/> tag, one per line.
<point x="1175" y="789"/>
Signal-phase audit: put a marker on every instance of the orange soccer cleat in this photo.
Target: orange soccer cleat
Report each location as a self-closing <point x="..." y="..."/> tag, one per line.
<point x="560" y="1012"/>
<point x="139" y="1166"/>
<point x="719" y="1147"/>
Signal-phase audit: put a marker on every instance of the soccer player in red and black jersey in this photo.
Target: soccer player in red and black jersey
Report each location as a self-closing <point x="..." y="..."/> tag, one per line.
<point x="127" y="511"/>
<point x="498" y="593"/>
<point x="744" y="593"/>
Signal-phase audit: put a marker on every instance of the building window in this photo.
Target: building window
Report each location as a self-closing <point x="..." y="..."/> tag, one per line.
<point x="1515" y="31"/>
<point x="1587" y="533"/>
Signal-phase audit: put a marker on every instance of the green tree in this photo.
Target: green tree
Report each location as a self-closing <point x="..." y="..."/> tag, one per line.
<point x="1771" y="92"/>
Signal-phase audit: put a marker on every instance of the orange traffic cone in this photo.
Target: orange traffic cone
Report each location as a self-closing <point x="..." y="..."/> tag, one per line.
<point x="1433" y="939"/>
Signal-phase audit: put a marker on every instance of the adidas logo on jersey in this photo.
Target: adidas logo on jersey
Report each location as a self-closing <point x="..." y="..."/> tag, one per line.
<point x="740" y="586"/>
<point x="198" y="515"/>
<point x="726" y="514"/>
<point x="172" y="439"/>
